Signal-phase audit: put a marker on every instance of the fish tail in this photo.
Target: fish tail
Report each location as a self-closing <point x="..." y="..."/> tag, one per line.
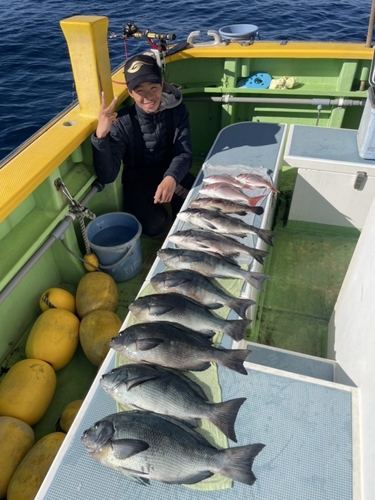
<point x="240" y="306"/>
<point x="256" y="210"/>
<point x="256" y="280"/>
<point x="237" y="462"/>
<point x="266" y="235"/>
<point x="236" y="328"/>
<point x="224" y="416"/>
<point x="255" y="200"/>
<point x="258" y="255"/>
<point x="233" y="359"/>
<point x="274" y="190"/>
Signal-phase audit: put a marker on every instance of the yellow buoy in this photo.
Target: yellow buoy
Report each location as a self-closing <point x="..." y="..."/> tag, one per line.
<point x="53" y="338"/>
<point x="31" y="472"/>
<point x="16" y="438"/>
<point x="27" y="390"/>
<point x="57" y="298"/>
<point x="91" y="262"/>
<point x="96" y="291"/>
<point x="69" y="414"/>
<point x="95" y="331"/>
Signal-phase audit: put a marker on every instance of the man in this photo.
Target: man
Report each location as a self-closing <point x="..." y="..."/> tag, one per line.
<point x="152" y="137"/>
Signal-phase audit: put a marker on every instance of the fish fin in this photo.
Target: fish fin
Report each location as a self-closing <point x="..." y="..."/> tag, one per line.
<point x="126" y="448"/>
<point x="240" y="306"/>
<point x="203" y="338"/>
<point x="236" y="328"/>
<point x="160" y="309"/>
<point x="224" y="416"/>
<point x="209" y="225"/>
<point x="256" y="280"/>
<point x="255" y="200"/>
<point x="229" y="259"/>
<point x="256" y="210"/>
<point x="200" y="476"/>
<point x="203" y="247"/>
<point x="232" y="255"/>
<point x="200" y="367"/>
<point x="132" y="475"/>
<point x="233" y="359"/>
<point x="266" y="235"/>
<point x="148" y="344"/>
<point x="213" y="305"/>
<point x="136" y="381"/>
<point x="258" y="254"/>
<point x="238" y="462"/>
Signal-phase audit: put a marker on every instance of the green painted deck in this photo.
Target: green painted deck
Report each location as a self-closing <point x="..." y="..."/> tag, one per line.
<point x="307" y="267"/>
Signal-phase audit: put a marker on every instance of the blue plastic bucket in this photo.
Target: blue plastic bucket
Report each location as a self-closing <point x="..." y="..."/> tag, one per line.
<point x="115" y="239"/>
<point x="238" y="32"/>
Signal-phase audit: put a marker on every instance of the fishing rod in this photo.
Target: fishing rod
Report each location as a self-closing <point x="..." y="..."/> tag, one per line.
<point x="131" y="30"/>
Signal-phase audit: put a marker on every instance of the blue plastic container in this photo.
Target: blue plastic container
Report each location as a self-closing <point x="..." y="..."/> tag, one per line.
<point x="115" y="239"/>
<point x="238" y="32"/>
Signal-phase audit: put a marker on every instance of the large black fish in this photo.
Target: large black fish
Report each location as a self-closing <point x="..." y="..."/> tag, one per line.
<point x="173" y="346"/>
<point x="143" y="445"/>
<point x="198" y="287"/>
<point x="225" y="206"/>
<point x="176" y="308"/>
<point x="156" y="389"/>
<point x="207" y="241"/>
<point x="212" y="266"/>
<point x="224" y="224"/>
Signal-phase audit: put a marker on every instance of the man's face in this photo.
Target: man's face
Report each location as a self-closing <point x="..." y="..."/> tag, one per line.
<point x="147" y="96"/>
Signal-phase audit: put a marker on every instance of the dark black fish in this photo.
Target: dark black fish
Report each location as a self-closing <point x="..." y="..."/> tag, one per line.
<point x="173" y="346"/>
<point x="143" y="445"/>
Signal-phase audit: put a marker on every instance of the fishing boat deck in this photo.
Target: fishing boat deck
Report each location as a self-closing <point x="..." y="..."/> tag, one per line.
<point x="307" y="421"/>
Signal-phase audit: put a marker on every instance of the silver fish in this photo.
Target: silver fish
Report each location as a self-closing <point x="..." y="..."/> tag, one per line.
<point x="256" y="181"/>
<point x="143" y="445"/>
<point x="228" y="192"/>
<point x="226" y="178"/>
<point x="207" y="241"/>
<point x="174" y="346"/>
<point x="212" y="266"/>
<point x="225" y="206"/>
<point x="198" y="287"/>
<point x="224" y="224"/>
<point x="156" y="389"/>
<point x="176" y="308"/>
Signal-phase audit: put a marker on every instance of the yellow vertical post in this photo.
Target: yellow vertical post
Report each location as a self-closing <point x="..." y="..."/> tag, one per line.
<point x="86" y="37"/>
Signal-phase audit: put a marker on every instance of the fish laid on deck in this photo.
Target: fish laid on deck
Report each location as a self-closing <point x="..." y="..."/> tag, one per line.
<point x="163" y="391"/>
<point x="228" y="192"/>
<point x="225" y="206"/>
<point x="224" y="224"/>
<point x="198" y="287"/>
<point x="176" y="308"/>
<point x="253" y="180"/>
<point x="207" y="241"/>
<point x="225" y="178"/>
<point x="212" y="266"/>
<point x="174" y="346"/>
<point x="143" y="445"/>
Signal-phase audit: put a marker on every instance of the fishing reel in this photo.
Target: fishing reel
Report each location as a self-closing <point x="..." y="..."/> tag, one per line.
<point x="130" y="30"/>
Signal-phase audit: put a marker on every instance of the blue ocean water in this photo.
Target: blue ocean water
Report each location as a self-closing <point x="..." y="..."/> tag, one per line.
<point x="35" y="76"/>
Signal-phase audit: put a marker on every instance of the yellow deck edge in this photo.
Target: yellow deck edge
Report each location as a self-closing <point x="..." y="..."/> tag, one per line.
<point x="298" y="50"/>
